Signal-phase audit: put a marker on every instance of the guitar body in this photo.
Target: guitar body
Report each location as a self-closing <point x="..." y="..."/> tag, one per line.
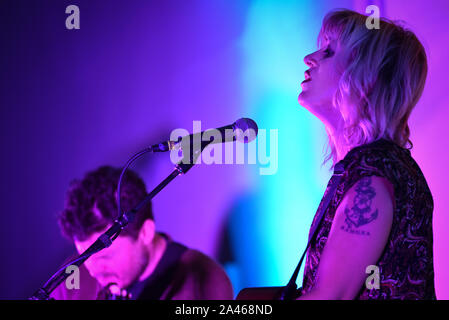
<point x="260" y="293"/>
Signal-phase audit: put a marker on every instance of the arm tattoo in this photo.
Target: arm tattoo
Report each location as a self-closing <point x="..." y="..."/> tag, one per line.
<point x="361" y="213"/>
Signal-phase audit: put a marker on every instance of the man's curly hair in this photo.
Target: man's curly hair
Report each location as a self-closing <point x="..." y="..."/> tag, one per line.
<point x="91" y="203"/>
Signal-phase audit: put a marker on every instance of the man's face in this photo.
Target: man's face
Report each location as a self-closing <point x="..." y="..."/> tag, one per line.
<point x="121" y="263"/>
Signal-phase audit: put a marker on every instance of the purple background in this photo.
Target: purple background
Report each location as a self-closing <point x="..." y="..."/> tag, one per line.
<point x="72" y="100"/>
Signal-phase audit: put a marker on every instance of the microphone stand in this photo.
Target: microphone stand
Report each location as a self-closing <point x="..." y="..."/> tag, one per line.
<point x="105" y="240"/>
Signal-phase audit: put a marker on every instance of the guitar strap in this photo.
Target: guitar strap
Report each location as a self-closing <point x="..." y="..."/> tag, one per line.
<point x="289" y="291"/>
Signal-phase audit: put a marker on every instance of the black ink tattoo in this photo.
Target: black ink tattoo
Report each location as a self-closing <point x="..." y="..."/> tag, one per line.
<point x="361" y="214"/>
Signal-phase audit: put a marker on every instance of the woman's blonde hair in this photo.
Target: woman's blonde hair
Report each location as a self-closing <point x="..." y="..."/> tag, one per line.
<point x="383" y="75"/>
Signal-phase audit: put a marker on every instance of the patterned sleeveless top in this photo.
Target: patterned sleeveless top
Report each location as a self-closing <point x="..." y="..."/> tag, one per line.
<point x="406" y="263"/>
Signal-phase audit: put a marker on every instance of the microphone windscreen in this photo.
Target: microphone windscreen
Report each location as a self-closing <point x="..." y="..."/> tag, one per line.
<point x="245" y="130"/>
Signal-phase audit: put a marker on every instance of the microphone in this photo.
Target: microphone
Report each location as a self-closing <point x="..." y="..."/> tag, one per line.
<point x="243" y="130"/>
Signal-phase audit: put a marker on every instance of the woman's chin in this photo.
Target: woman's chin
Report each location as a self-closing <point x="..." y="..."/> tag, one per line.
<point x="307" y="104"/>
<point x="302" y="99"/>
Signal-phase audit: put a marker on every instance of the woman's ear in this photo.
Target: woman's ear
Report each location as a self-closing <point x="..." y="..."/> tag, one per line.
<point x="147" y="231"/>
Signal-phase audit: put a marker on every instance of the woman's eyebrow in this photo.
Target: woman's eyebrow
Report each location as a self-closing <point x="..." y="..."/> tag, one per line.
<point x="324" y="41"/>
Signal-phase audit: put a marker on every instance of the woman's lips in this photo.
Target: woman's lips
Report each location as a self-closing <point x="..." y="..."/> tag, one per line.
<point x="307" y="75"/>
<point x="305" y="81"/>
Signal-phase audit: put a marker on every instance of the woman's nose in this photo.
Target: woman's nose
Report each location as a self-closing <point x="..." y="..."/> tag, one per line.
<point x="309" y="60"/>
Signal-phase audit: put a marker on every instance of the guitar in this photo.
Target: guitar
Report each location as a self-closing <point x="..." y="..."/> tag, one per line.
<point x="274" y="293"/>
<point x="262" y="293"/>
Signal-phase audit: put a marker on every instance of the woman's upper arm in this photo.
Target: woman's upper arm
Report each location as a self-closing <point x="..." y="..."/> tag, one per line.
<point x="357" y="238"/>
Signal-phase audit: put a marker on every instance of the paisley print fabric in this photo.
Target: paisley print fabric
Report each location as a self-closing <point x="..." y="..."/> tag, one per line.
<point x="406" y="264"/>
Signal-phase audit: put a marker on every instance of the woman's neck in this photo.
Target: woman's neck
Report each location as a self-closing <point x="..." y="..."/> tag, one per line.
<point x="338" y="141"/>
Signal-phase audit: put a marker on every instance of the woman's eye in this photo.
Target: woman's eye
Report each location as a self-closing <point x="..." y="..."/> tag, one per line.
<point x="328" y="52"/>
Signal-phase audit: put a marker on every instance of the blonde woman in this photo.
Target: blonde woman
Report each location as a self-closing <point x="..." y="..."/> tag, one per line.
<point x="363" y="84"/>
